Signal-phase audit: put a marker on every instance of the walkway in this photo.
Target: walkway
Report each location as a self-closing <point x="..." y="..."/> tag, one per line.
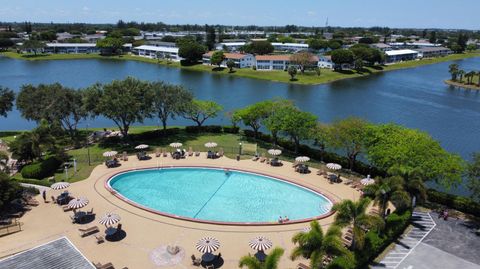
<point x="422" y="224"/>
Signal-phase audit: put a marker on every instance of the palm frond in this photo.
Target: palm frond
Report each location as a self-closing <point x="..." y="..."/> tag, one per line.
<point x="250" y="262"/>
<point x="272" y="260"/>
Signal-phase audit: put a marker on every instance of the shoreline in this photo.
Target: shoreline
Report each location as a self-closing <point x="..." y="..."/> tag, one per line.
<point x="462" y="85"/>
<point x="327" y="75"/>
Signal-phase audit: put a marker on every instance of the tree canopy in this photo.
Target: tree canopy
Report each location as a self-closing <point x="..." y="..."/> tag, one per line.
<point x="473" y="176"/>
<point x="258" y="47"/>
<point x="7" y="97"/>
<point x="297" y="124"/>
<point x="254" y="114"/>
<point x="392" y="145"/>
<point x="199" y="111"/>
<point x="169" y="100"/>
<point x="217" y="58"/>
<point x="110" y="45"/>
<point x="33" y="45"/>
<point x="342" y="56"/>
<point x="303" y="60"/>
<point x="191" y="51"/>
<point x="123" y="101"/>
<point x="9" y="190"/>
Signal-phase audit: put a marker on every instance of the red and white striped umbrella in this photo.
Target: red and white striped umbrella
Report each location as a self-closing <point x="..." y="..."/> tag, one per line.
<point x="211" y="145"/>
<point x="60" y="185"/>
<point x="367" y="181"/>
<point x="208" y="245"/>
<point x="334" y="166"/>
<point x="141" y="146"/>
<point x="302" y="159"/>
<point x="274" y="152"/>
<point x="109" y="219"/>
<point x="176" y="145"/>
<point x="260" y="243"/>
<point x="78" y="203"/>
<point x="110" y="153"/>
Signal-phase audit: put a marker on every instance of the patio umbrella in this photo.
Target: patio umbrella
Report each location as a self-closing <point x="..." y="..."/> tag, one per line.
<point x="109" y="219"/>
<point x="142" y="146"/>
<point x="210" y="145"/>
<point x="302" y="159"/>
<point x="274" y="152"/>
<point x="260" y="243"/>
<point x="207" y="245"/>
<point x="60" y="185"/>
<point x="175" y="145"/>
<point x="110" y="153"/>
<point x="367" y="181"/>
<point x="334" y="166"/>
<point x="78" y="203"/>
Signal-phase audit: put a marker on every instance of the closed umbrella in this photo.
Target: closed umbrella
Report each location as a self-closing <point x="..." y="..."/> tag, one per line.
<point x="109" y="219"/>
<point x="142" y="146"/>
<point x="367" y="181"/>
<point x="60" y="185"/>
<point x="274" y="152"/>
<point x="260" y="243"/>
<point x="175" y="145"/>
<point x="334" y="166"/>
<point x="78" y="203"/>
<point x="110" y="153"/>
<point x="208" y="245"/>
<point x="210" y="145"/>
<point x="302" y="159"/>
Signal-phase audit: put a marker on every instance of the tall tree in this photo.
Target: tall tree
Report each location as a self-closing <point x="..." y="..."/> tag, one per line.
<point x="298" y="125"/>
<point x="33" y="45"/>
<point x="9" y="190"/>
<point x="292" y="72"/>
<point x="54" y="103"/>
<point x="315" y="246"/>
<point x="110" y="45"/>
<point x="254" y="115"/>
<point x="123" y="101"/>
<point x="349" y="135"/>
<point x="30" y="146"/>
<point x="211" y="37"/>
<point x="274" y="120"/>
<point x="354" y="214"/>
<point x="169" y="101"/>
<point x="191" y="51"/>
<point x="230" y="65"/>
<point x="217" y="58"/>
<point x="7" y="97"/>
<point x="303" y="60"/>
<point x="271" y="262"/>
<point x="453" y="70"/>
<point x="341" y="57"/>
<point x="199" y="111"/>
<point x="387" y="190"/>
<point x="258" y="47"/>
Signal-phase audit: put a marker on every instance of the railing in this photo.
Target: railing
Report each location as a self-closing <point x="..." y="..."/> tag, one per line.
<point x="14" y="227"/>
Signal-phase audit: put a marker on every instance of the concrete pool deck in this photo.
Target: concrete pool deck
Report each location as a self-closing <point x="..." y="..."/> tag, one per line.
<point x="146" y="231"/>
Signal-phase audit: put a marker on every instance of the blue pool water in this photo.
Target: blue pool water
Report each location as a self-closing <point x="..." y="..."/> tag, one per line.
<point x="212" y="195"/>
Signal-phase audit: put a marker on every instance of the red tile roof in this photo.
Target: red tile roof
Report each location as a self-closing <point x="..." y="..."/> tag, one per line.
<point x="227" y="55"/>
<point x="273" y="57"/>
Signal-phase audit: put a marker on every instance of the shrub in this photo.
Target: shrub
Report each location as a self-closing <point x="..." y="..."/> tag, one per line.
<point x="41" y="169"/>
<point x="463" y="204"/>
<point x="35" y="181"/>
<point x="204" y="129"/>
<point x="231" y="129"/>
<point x="31" y="190"/>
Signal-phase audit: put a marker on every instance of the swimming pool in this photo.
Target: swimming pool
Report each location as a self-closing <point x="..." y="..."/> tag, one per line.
<point x="214" y="195"/>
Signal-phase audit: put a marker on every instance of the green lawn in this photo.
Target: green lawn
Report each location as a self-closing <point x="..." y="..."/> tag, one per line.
<point x="229" y="143"/>
<point x="308" y="78"/>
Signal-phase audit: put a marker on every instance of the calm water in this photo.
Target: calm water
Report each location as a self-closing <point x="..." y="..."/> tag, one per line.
<point x="416" y="98"/>
<point x="211" y="194"/>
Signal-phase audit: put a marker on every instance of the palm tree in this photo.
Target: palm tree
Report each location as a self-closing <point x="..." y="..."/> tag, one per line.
<point x="314" y="245"/>
<point x="470" y="74"/>
<point x="355" y="214"/>
<point x="414" y="184"/>
<point x="461" y="73"/>
<point x="453" y="70"/>
<point x="386" y="190"/>
<point x="478" y="74"/>
<point x="271" y="262"/>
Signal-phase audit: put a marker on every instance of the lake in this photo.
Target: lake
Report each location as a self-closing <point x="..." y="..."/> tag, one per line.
<point x="415" y="98"/>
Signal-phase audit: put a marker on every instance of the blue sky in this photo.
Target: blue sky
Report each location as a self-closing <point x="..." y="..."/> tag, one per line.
<point x="405" y="13"/>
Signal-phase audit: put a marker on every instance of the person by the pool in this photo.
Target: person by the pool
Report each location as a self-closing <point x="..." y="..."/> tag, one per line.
<point x="280" y="220"/>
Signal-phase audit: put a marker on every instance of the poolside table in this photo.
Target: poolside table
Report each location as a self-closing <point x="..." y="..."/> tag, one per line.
<point x="208" y="257"/>
<point x="110" y="231"/>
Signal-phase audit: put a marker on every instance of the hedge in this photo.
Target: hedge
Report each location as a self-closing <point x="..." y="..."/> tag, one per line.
<point x="375" y="243"/>
<point x="463" y="204"/>
<point x="216" y="129"/>
<point x="42" y="169"/>
<point x="231" y="129"/>
<point x="35" y="182"/>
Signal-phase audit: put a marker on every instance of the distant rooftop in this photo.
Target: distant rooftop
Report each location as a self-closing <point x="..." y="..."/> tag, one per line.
<point x="69" y="45"/>
<point x="58" y="254"/>
<point x="431" y="49"/>
<point x="155" y="48"/>
<point x="400" y="52"/>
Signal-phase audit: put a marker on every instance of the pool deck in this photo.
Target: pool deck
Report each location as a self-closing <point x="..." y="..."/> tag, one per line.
<point x="146" y="231"/>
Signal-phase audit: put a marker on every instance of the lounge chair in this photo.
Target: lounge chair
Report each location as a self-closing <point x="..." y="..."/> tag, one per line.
<point x="104" y="266"/>
<point x="262" y="159"/>
<point x="295" y="164"/>
<point x="190" y="151"/>
<point x="125" y="156"/>
<point x="165" y="154"/>
<point x="99" y="239"/>
<point x="302" y="266"/>
<point x="32" y="202"/>
<point x="255" y="158"/>
<point x="197" y="153"/>
<point x="321" y="172"/>
<point x="196" y="261"/>
<point x="66" y="208"/>
<point x="88" y="231"/>
<point x="211" y="266"/>
<point x="220" y="153"/>
<point x="158" y="153"/>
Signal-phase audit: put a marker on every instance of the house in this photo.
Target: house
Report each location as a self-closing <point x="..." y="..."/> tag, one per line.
<point x="429" y="52"/>
<point x="230" y="46"/>
<point x="325" y="61"/>
<point x="400" y="55"/>
<point x="381" y="46"/>
<point x="155" y="52"/>
<point x="71" y="48"/>
<point x="162" y="44"/>
<point x="290" y="47"/>
<point x="241" y="60"/>
<point x="409" y="45"/>
<point x="272" y="62"/>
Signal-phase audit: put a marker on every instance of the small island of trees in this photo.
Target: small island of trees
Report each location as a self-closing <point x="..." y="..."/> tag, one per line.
<point x="462" y="78"/>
